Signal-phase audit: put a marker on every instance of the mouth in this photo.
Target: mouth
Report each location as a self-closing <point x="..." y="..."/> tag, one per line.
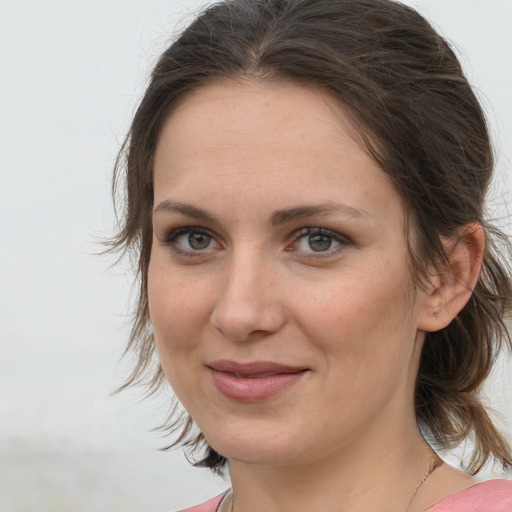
<point x="254" y="382"/>
<point x="254" y="376"/>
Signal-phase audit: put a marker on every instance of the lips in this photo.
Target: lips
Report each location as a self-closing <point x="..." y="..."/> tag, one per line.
<point x="254" y="382"/>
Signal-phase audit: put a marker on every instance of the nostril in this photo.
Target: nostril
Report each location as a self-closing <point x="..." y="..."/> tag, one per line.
<point x="247" y="323"/>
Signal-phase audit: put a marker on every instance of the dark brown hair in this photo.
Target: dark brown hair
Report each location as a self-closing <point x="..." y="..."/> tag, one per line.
<point x="416" y="115"/>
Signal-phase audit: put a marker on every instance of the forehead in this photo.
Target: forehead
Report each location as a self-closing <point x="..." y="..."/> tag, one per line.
<point x="248" y="102"/>
<point x="254" y="138"/>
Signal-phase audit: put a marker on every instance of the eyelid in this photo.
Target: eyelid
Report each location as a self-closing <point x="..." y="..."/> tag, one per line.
<point x="173" y="234"/>
<point x="342" y="240"/>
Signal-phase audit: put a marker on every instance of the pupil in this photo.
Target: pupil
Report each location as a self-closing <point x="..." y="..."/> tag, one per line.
<point x="319" y="243"/>
<point x="198" y="240"/>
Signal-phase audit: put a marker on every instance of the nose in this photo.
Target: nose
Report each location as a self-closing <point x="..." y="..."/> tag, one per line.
<point x="249" y="304"/>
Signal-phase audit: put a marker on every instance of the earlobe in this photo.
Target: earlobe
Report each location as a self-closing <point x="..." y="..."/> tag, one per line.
<point x="451" y="288"/>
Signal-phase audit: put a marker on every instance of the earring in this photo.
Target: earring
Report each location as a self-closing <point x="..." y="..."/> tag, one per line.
<point x="436" y="315"/>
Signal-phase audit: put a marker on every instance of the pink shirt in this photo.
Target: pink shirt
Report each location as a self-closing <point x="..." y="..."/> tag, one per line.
<point x="490" y="496"/>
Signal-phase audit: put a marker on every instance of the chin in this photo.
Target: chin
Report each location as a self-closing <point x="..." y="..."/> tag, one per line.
<point x="259" y="455"/>
<point x="259" y="446"/>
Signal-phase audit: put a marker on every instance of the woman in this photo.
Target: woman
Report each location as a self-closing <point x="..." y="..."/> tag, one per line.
<point x="305" y="185"/>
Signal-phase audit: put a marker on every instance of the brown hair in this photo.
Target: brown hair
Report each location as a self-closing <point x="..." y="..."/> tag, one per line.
<point x="417" y="116"/>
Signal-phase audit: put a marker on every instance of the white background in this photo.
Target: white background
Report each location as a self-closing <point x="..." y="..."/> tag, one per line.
<point x="71" y="74"/>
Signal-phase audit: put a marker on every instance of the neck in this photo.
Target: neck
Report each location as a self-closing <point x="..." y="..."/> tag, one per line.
<point x="378" y="472"/>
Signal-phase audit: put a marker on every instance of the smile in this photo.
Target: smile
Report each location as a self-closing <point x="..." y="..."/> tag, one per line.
<point x="253" y="382"/>
<point x="257" y="376"/>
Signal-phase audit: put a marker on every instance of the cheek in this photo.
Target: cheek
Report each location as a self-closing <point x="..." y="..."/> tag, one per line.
<point x="363" y="317"/>
<point x="353" y="298"/>
<point x="178" y="310"/>
<point x="364" y="328"/>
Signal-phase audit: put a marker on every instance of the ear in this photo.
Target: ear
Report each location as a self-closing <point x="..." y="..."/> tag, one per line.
<point x="451" y="288"/>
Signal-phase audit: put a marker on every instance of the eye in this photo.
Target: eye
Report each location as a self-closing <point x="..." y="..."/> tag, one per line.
<point x="318" y="241"/>
<point x="196" y="241"/>
<point x="190" y="240"/>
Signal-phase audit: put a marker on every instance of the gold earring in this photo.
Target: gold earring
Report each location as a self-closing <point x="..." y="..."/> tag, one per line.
<point x="436" y="315"/>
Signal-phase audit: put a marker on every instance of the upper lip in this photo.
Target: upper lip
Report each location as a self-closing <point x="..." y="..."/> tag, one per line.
<point x="254" y="367"/>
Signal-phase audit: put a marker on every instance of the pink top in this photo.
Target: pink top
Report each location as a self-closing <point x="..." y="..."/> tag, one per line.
<point x="209" y="506"/>
<point x="490" y="496"/>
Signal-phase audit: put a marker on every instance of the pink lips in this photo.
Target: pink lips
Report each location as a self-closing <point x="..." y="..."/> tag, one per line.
<point x="253" y="382"/>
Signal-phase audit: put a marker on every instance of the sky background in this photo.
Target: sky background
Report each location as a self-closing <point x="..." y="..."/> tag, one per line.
<point x="71" y="75"/>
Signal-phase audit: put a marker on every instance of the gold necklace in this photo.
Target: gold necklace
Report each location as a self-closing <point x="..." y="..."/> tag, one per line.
<point x="430" y="469"/>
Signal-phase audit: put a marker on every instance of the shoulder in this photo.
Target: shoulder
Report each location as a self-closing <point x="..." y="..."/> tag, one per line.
<point x="489" y="496"/>
<point x="208" y="506"/>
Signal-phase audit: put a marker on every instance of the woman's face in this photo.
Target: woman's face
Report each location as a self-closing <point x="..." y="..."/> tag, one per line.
<point x="280" y="294"/>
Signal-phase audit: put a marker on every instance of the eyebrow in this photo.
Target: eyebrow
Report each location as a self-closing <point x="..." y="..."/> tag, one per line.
<point x="185" y="209"/>
<point x="278" y="218"/>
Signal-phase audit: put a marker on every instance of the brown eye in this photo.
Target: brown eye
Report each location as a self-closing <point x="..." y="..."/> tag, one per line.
<point x="319" y="242"/>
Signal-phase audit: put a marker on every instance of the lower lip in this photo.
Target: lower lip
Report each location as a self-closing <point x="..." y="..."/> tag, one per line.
<point x="246" y="390"/>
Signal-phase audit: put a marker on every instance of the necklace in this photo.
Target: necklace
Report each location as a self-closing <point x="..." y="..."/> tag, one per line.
<point x="430" y="469"/>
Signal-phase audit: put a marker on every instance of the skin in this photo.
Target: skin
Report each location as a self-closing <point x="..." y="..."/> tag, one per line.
<point x="345" y="436"/>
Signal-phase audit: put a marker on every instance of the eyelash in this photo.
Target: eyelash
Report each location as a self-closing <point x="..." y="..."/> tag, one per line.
<point x="342" y="241"/>
<point x="303" y="233"/>
<point x="171" y="238"/>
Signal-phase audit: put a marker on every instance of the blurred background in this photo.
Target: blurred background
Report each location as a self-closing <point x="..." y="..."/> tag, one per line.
<point x="71" y="75"/>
